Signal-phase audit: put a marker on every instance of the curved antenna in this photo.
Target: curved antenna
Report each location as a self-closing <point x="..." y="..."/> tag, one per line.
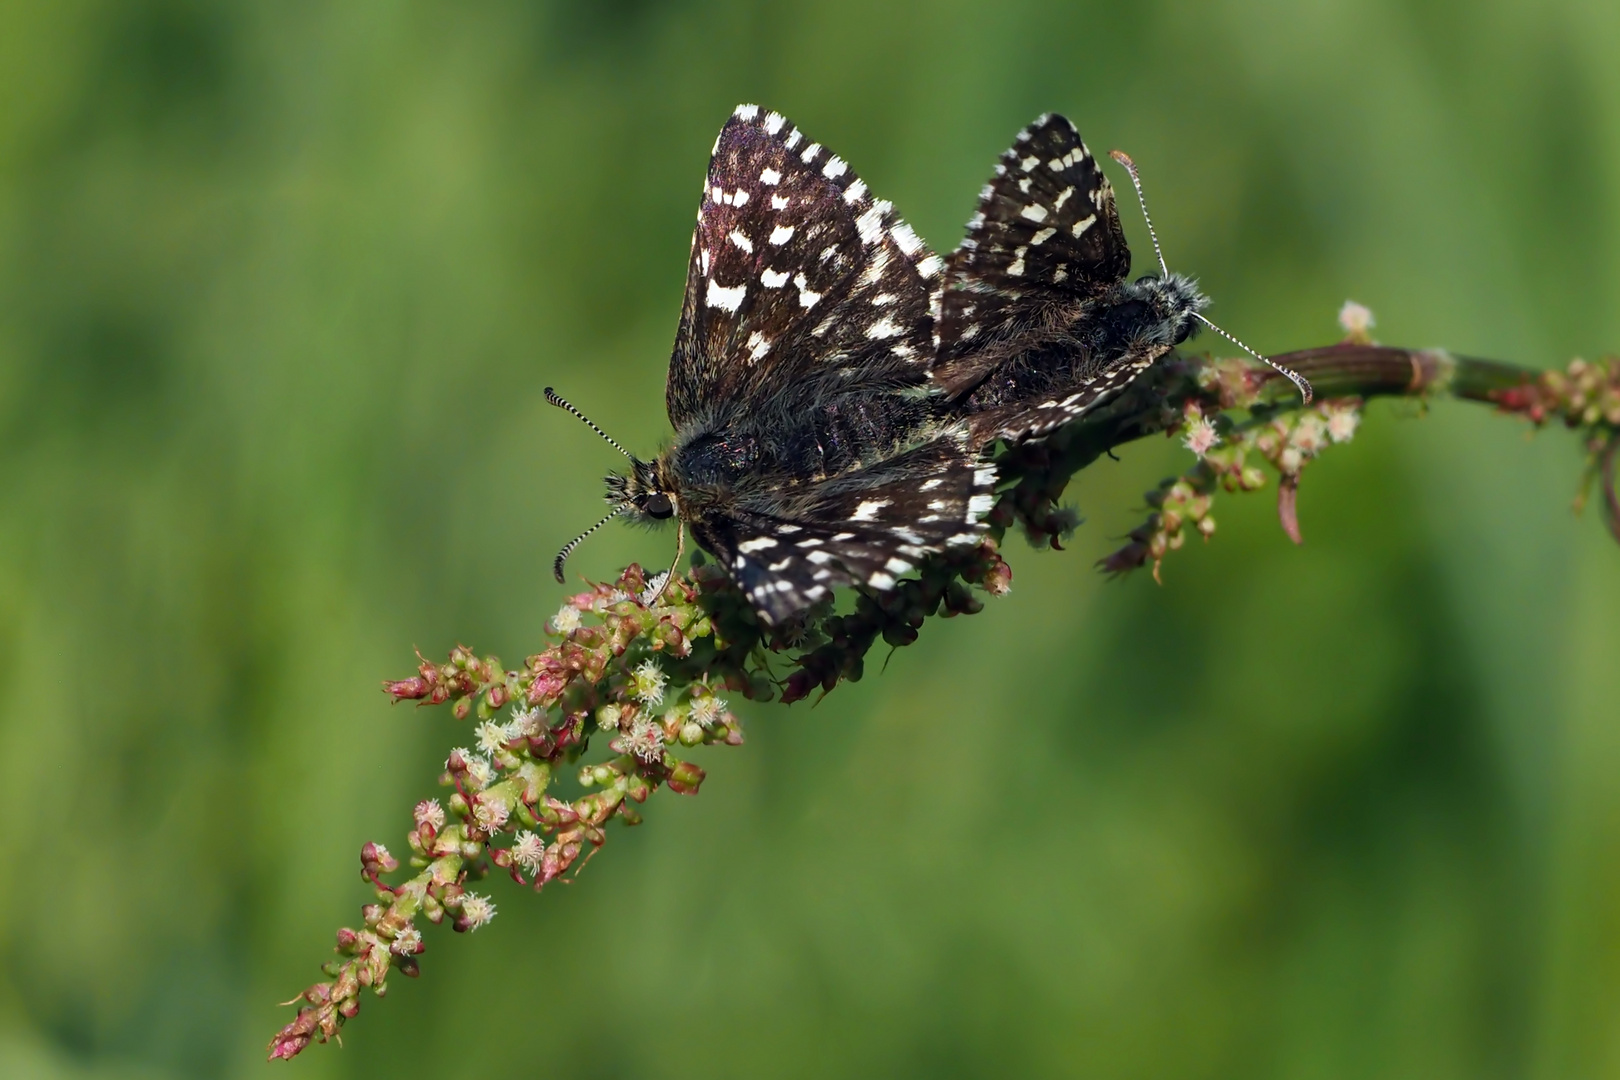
<point x="1136" y="181"/>
<point x="562" y="403"/>
<point x="568" y="548"/>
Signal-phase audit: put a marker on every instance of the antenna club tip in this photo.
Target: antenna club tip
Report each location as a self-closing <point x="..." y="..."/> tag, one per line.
<point x="1123" y="158"/>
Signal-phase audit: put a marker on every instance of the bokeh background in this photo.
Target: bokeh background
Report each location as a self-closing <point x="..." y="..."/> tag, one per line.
<point x="280" y="284"/>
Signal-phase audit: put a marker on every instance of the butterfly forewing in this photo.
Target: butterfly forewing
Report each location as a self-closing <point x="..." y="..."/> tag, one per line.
<point x="1046" y="231"/>
<point x="798" y="275"/>
<point x="1028" y="309"/>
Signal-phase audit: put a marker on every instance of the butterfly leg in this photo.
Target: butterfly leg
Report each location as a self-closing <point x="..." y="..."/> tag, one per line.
<point x="680" y="549"/>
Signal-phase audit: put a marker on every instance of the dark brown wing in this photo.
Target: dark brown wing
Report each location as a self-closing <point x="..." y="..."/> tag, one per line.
<point x="867" y="528"/>
<point x="1045" y="240"/>
<point x="796" y="271"/>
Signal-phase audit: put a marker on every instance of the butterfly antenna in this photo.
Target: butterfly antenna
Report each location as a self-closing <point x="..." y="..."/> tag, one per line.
<point x="1288" y="373"/>
<point x="1136" y="181"/>
<point x="562" y="403"/>
<point x="568" y="548"/>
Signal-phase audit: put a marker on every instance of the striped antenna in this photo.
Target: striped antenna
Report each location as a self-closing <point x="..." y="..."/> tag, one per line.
<point x="1136" y="181"/>
<point x="562" y="403"/>
<point x="568" y="548"/>
<point x="1286" y="372"/>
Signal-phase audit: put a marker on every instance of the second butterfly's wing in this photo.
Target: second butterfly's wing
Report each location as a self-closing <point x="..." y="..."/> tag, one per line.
<point x="796" y="273"/>
<point x="1045" y="413"/>
<point x="1046" y="239"/>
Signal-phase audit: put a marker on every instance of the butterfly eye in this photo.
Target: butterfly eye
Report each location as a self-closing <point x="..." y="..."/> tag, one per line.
<point x="658" y="505"/>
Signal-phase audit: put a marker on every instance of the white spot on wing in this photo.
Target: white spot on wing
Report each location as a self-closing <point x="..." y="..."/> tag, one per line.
<point x="770" y="176"/>
<point x="835" y="167"/>
<point x="736" y="237"/>
<point x="930" y="266"/>
<point x="782" y="234"/>
<point x="807" y="299"/>
<point x="774" y="122"/>
<point x="1083" y="224"/>
<point x="855" y="192"/>
<point x="880" y="580"/>
<point x="868" y="509"/>
<point x="1034" y="212"/>
<point x="746" y="112"/>
<point x="779" y="202"/>
<point x="874" y="269"/>
<point x="883" y="328"/>
<point x="1042" y="237"/>
<point x="870" y="224"/>
<point x="908" y="240"/>
<point x="773" y="279"/>
<point x="1057" y="204"/>
<point x="810" y="153"/>
<point x="723" y="298"/>
<point x="759" y="543"/>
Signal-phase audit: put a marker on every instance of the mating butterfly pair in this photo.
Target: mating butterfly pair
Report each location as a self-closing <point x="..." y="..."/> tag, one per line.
<point x="835" y="386"/>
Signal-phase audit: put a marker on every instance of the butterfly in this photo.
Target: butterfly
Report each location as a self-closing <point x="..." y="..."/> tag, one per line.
<point x="812" y="447"/>
<point x="1035" y="321"/>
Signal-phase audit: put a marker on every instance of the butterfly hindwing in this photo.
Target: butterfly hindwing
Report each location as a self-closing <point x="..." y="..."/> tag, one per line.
<point x="866" y="528"/>
<point x="1022" y="420"/>
<point x="796" y="272"/>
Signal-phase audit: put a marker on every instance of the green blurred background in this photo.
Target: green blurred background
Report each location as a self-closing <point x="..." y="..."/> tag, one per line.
<point x="280" y="284"/>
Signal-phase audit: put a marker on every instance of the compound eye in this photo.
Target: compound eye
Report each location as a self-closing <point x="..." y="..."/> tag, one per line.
<point x="658" y="505"/>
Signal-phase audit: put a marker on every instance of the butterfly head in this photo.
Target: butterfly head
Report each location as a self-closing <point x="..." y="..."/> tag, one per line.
<point x="644" y="492"/>
<point x="1173" y="304"/>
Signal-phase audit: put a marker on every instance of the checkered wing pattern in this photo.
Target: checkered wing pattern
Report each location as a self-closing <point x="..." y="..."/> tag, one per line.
<point x="1046" y="234"/>
<point x="798" y="276"/>
<point x="1031" y="419"/>
<point x="866" y="528"/>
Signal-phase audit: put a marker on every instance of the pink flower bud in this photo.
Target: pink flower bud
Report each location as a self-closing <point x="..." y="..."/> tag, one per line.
<point x="546" y="689"/>
<point x="685" y="778"/>
<point x="412" y="689"/>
